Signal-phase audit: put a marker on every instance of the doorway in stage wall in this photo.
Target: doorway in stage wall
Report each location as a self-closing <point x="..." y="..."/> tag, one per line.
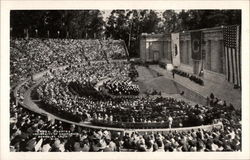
<point x="198" y="67"/>
<point x="156" y="56"/>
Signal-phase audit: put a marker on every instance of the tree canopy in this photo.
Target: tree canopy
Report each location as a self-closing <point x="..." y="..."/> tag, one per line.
<point x="120" y="24"/>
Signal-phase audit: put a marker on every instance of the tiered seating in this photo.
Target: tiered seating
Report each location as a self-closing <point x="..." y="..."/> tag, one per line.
<point x="72" y="90"/>
<point x="35" y="55"/>
<point x="71" y="94"/>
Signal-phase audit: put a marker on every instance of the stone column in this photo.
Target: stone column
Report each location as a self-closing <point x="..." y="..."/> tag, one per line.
<point x="184" y="53"/>
<point x="223" y="59"/>
<point x="160" y="46"/>
<point x="208" y="55"/>
<point x="189" y="53"/>
<point x="147" y="51"/>
<point x="143" y="49"/>
<point x="169" y="50"/>
<point x="215" y="56"/>
<point x="163" y="49"/>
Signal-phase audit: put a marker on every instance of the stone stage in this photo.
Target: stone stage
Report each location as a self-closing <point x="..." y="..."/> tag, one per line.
<point x="220" y="87"/>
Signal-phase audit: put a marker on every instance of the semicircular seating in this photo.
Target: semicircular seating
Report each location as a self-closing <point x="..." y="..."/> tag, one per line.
<point x="71" y="93"/>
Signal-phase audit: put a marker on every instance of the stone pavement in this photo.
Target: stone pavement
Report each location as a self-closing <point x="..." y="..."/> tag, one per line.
<point x="223" y="90"/>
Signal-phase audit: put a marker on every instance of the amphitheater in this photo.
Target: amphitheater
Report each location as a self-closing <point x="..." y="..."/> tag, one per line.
<point x="86" y="57"/>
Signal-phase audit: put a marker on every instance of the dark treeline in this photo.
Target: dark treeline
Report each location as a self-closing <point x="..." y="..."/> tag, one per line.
<point x="120" y="24"/>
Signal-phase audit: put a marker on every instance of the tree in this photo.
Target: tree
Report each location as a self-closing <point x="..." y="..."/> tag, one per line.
<point x="198" y="19"/>
<point x="150" y="21"/>
<point x="171" y="21"/>
<point x="129" y="24"/>
<point x="21" y="20"/>
<point x="118" y="25"/>
<point x="68" y="23"/>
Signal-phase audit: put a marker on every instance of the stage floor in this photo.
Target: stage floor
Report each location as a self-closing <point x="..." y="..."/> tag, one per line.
<point x="221" y="89"/>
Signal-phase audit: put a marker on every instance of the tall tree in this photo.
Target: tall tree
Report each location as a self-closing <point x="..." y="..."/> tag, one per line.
<point x="21" y="20"/>
<point x="197" y="19"/>
<point x="118" y="25"/>
<point x="150" y="21"/>
<point x="62" y="23"/>
<point x="171" y="21"/>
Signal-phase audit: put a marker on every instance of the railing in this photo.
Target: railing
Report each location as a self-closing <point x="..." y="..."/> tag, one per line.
<point x="167" y="130"/>
<point x="131" y="125"/>
<point x="123" y="127"/>
<point x="139" y="125"/>
<point x="144" y="128"/>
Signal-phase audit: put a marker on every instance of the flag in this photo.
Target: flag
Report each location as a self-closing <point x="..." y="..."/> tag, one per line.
<point x="196" y="45"/>
<point x="231" y="39"/>
<point x="175" y="42"/>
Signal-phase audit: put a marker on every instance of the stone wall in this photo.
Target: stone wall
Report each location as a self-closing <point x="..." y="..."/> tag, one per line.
<point x="157" y="47"/>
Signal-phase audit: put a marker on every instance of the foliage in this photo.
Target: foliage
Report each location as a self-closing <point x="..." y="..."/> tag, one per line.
<point x="127" y="25"/>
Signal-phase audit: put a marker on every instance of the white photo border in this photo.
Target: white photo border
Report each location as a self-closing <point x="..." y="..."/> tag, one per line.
<point x="6" y="6"/>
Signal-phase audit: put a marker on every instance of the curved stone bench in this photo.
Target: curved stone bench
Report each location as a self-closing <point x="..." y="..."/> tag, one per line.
<point x="29" y="104"/>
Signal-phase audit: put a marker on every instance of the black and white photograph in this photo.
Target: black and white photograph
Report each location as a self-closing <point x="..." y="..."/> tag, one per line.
<point x="126" y="80"/>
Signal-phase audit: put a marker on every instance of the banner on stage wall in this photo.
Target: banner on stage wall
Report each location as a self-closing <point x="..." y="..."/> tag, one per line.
<point x="175" y="42"/>
<point x="196" y="45"/>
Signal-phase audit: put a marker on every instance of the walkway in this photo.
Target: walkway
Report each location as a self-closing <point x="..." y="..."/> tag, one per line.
<point x="222" y="90"/>
<point x="29" y="104"/>
<point x="149" y="79"/>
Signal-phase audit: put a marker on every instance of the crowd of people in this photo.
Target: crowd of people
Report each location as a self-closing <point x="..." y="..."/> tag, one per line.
<point x="77" y="94"/>
<point x="121" y="87"/>
<point x="31" y="56"/>
<point x="75" y="90"/>
<point x="85" y="102"/>
<point x="190" y="76"/>
<point x="31" y="132"/>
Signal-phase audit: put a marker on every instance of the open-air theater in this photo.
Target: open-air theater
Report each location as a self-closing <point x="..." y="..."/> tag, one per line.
<point x="184" y="84"/>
